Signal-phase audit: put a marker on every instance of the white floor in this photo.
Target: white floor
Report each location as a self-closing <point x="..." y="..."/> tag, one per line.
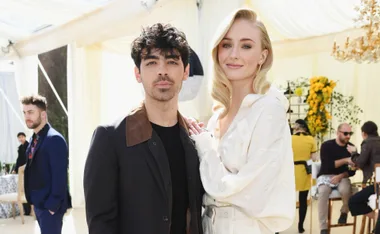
<point x="75" y="223"/>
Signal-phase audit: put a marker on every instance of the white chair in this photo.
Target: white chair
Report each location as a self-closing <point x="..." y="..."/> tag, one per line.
<point x="17" y="198"/>
<point x="334" y="196"/>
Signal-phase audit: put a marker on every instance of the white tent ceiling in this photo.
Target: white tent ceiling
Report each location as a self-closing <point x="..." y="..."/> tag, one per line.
<point x="298" y="19"/>
<point x="40" y="25"/>
<point x="24" y="19"/>
<point x="20" y="19"/>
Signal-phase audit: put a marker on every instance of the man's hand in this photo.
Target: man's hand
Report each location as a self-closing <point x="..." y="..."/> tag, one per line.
<point x="13" y="172"/>
<point x="336" y="179"/>
<point x="351" y="149"/>
<point x="51" y="212"/>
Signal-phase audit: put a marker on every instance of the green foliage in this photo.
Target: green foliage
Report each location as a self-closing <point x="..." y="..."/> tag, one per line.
<point x="7" y="167"/>
<point x="55" y="65"/>
<point x="345" y="109"/>
<point x="303" y="82"/>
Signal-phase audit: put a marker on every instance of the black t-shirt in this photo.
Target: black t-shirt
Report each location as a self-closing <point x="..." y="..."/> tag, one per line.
<point x="330" y="152"/>
<point x="170" y="137"/>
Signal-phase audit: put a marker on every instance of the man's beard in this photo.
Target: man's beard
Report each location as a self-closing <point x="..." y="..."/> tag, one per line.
<point x="36" y="124"/>
<point x="344" y="140"/>
<point x="165" y="94"/>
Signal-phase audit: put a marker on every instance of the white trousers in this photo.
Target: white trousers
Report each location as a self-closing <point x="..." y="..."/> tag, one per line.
<point x="229" y="220"/>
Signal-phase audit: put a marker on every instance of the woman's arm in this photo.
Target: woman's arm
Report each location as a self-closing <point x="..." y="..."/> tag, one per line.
<point x="362" y="159"/>
<point x="314" y="156"/>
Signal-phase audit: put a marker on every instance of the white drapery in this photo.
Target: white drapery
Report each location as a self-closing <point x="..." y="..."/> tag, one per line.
<point x="26" y="75"/>
<point x="16" y="80"/>
<point x="84" y="98"/>
<point x="11" y="118"/>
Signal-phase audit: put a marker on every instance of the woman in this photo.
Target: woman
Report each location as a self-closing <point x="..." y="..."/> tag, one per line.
<point x="366" y="160"/>
<point x="246" y="159"/>
<point x="304" y="149"/>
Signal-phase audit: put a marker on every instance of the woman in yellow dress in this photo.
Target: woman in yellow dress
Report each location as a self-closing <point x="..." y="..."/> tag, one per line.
<point x="304" y="149"/>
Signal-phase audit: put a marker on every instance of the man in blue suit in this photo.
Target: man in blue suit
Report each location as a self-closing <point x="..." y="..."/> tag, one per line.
<point x="46" y="167"/>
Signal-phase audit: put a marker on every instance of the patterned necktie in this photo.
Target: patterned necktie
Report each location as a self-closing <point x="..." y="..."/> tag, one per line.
<point x="34" y="144"/>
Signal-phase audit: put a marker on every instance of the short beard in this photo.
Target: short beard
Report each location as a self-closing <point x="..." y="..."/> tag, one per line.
<point x="36" y="124"/>
<point x="343" y="141"/>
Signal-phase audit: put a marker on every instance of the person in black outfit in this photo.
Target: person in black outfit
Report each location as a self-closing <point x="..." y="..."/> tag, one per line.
<point x="334" y="174"/>
<point x="366" y="160"/>
<point x="21" y="160"/>
<point x="142" y="173"/>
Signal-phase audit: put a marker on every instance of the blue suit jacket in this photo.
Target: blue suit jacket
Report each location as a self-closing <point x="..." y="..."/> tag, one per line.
<point x="45" y="176"/>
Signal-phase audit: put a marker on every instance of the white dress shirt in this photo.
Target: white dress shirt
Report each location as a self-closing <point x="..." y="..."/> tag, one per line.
<point x="251" y="166"/>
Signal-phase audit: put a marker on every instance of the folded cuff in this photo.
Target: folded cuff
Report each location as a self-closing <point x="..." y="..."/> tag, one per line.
<point x="203" y="142"/>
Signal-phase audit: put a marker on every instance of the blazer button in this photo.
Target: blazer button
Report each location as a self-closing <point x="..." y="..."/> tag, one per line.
<point x="154" y="143"/>
<point x="165" y="218"/>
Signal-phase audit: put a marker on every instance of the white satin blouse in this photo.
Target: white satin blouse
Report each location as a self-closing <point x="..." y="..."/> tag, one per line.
<point x="251" y="166"/>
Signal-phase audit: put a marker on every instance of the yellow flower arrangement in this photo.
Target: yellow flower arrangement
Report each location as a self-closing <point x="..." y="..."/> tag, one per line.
<point x="319" y="97"/>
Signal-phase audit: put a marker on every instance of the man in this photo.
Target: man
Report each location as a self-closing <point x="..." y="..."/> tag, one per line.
<point x="21" y="160"/>
<point x="334" y="174"/>
<point x="142" y="174"/>
<point x="46" y="167"/>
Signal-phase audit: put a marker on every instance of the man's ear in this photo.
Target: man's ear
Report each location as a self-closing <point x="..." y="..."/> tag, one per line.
<point x="43" y="114"/>
<point x="137" y="74"/>
<point x="187" y="72"/>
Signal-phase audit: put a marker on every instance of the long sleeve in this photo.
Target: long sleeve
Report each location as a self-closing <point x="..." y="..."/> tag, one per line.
<point x="100" y="185"/>
<point x="58" y="161"/>
<point x="264" y="186"/>
<point x="21" y="159"/>
<point x="363" y="159"/>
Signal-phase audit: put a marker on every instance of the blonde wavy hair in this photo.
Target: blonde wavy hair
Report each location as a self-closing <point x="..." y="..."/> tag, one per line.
<point x="221" y="87"/>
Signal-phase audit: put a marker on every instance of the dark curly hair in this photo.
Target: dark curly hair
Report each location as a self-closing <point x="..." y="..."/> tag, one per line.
<point x="168" y="39"/>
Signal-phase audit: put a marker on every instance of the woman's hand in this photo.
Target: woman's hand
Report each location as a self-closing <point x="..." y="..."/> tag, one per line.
<point x="351" y="149"/>
<point x="195" y="128"/>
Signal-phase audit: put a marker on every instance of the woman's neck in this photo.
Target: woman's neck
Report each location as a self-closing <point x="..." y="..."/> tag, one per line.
<point x="240" y="89"/>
